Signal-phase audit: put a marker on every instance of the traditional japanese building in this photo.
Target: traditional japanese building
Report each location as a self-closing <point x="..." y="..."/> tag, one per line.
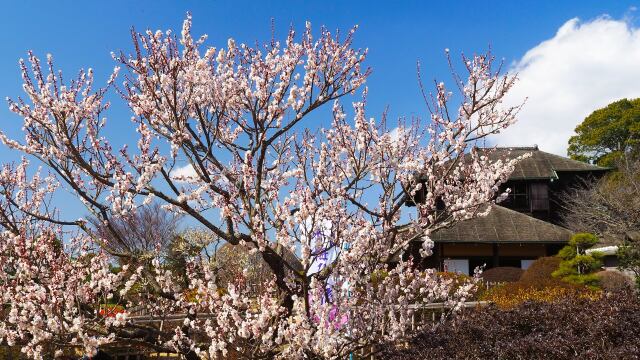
<point x="520" y="229"/>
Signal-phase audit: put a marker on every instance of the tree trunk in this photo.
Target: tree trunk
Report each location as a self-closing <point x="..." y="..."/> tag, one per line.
<point x="191" y="355"/>
<point x="277" y="266"/>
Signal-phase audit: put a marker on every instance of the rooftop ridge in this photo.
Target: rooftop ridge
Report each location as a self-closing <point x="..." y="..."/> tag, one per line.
<point x="533" y="148"/>
<point x="503" y="225"/>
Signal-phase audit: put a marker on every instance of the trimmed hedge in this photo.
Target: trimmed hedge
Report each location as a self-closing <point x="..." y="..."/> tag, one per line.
<point x="537" y="284"/>
<point x="614" y="281"/>
<point x="540" y="270"/>
<point x="572" y="328"/>
<point x="502" y="274"/>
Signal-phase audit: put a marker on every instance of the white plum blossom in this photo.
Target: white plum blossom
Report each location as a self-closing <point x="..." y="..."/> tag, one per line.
<point x="255" y="172"/>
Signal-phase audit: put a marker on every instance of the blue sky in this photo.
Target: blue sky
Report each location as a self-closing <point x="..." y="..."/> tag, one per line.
<point x="82" y="34"/>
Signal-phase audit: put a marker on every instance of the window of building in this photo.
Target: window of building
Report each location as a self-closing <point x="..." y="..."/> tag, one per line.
<point x="518" y="196"/>
<point x="539" y="197"/>
<point x="457" y="266"/>
<point x="524" y="264"/>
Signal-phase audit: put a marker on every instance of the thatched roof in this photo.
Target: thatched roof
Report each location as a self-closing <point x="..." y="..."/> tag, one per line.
<point x="541" y="165"/>
<point x="503" y="225"/>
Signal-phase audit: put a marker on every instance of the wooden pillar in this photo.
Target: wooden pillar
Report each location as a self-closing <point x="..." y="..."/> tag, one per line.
<point x="496" y="255"/>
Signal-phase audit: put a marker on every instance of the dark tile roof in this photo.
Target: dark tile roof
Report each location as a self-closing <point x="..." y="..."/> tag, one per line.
<point x="541" y="165"/>
<point x="503" y="225"/>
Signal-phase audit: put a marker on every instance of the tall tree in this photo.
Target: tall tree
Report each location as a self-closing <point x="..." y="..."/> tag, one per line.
<point x="262" y="176"/>
<point x="138" y="234"/>
<point x="607" y="134"/>
<point x="610" y="208"/>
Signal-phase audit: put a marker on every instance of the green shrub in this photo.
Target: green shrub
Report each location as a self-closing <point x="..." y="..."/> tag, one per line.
<point x="578" y="244"/>
<point x="577" y="266"/>
<point x="629" y="256"/>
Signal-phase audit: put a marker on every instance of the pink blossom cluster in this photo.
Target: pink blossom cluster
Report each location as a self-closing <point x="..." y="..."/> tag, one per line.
<point x="262" y="176"/>
<point x="46" y="285"/>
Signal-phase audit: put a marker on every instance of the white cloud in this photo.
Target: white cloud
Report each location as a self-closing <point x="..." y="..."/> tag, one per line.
<point x="396" y="133"/>
<point x="585" y="66"/>
<point x="184" y="173"/>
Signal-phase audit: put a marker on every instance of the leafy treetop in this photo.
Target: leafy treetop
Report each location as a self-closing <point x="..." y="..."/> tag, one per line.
<point x="607" y="133"/>
<point x="577" y="266"/>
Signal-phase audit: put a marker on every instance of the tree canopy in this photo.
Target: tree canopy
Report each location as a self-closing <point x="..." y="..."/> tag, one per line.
<point x="577" y="266"/>
<point x="225" y="140"/>
<point x="607" y="133"/>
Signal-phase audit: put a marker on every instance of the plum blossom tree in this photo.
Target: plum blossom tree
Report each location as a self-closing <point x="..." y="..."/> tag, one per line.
<point x="262" y="176"/>
<point x="48" y="286"/>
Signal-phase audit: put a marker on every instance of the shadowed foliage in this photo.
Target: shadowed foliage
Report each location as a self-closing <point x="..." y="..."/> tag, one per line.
<point x="614" y="281"/>
<point x="571" y="328"/>
<point x="502" y="274"/>
<point x="540" y="269"/>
